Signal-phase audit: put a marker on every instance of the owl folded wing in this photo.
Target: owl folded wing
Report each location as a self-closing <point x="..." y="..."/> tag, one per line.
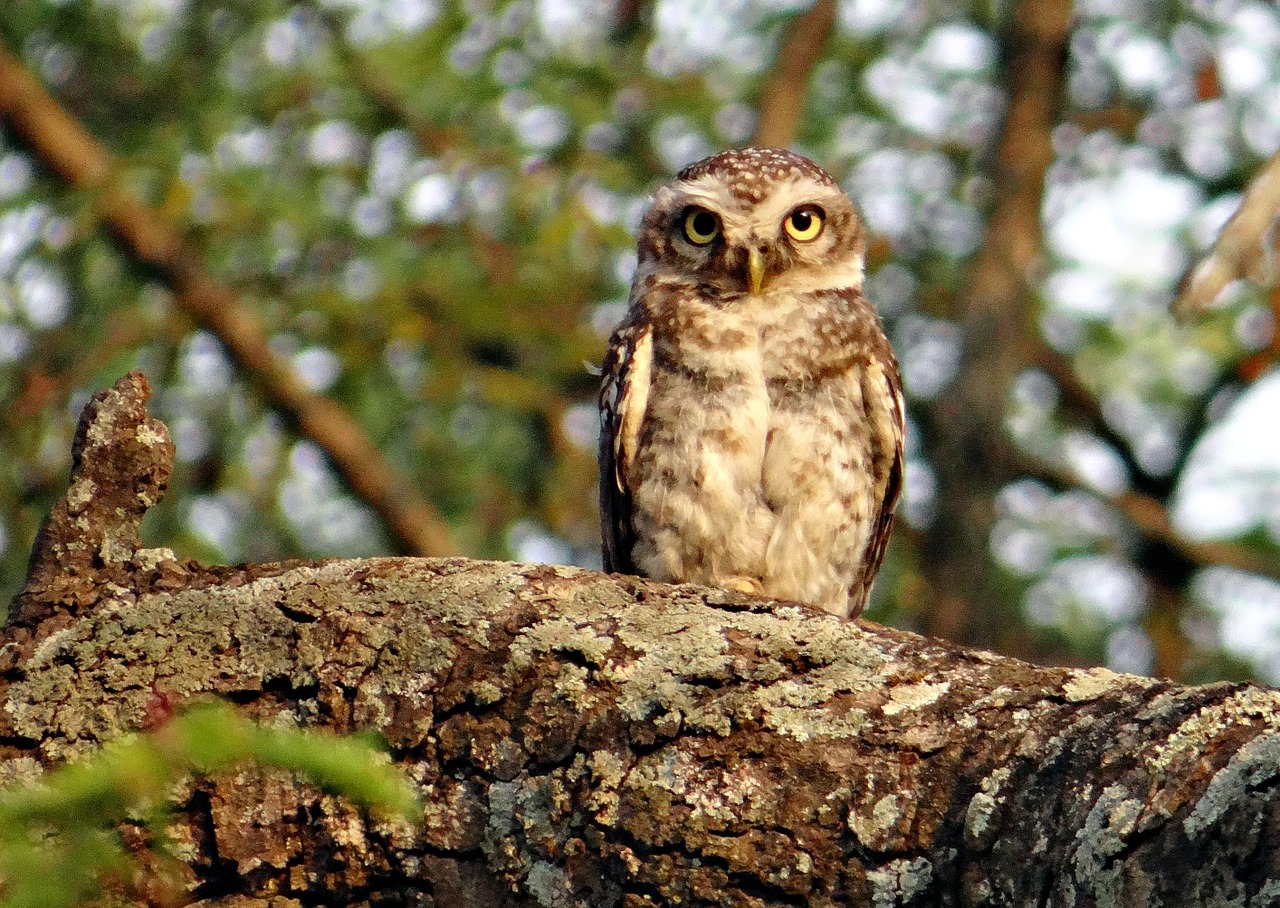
<point x="886" y="414"/>
<point x="624" y="398"/>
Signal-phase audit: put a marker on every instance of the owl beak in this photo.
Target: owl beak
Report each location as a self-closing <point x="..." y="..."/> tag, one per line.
<point x="755" y="268"/>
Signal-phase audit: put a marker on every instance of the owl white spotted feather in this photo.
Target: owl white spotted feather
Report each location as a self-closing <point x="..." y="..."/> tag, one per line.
<point x="751" y="408"/>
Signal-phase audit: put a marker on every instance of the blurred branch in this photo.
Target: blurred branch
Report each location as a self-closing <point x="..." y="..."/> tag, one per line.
<point x="1255" y="364"/>
<point x="1150" y="516"/>
<point x="374" y="86"/>
<point x="628" y="19"/>
<point x="46" y="382"/>
<point x="1120" y="118"/>
<point x="1243" y="248"/>
<point x="1167" y="560"/>
<point x="499" y="386"/>
<point x="1166" y="557"/>
<point x="970" y="449"/>
<point x="782" y="100"/>
<point x="69" y="149"/>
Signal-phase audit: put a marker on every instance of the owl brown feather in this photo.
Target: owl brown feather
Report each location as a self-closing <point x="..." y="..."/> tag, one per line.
<point x="751" y="408"/>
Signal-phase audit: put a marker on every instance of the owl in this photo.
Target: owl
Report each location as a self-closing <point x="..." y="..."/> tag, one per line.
<point x="751" y="408"/>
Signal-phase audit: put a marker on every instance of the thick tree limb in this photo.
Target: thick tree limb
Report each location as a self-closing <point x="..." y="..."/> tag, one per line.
<point x="601" y="741"/>
<point x="66" y="147"/>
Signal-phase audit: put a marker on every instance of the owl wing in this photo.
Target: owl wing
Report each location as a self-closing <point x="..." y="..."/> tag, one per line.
<point x="886" y="415"/>
<point x="624" y="398"/>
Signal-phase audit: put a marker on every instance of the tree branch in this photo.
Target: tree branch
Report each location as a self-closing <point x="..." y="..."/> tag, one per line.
<point x="1242" y="248"/>
<point x="72" y="152"/>
<point x="601" y="741"/>
<point x="782" y="100"/>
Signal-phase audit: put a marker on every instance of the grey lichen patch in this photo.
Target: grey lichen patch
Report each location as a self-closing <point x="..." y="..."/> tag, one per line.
<point x="149" y="435"/>
<point x="558" y="635"/>
<point x="1106" y="831"/>
<point x="874" y="829"/>
<point x="686" y="644"/>
<point x="914" y="696"/>
<point x="118" y="548"/>
<point x="713" y="796"/>
<point x="983" y="805"/>
<point x="19" y="769"/>
<point x="803" y="724"/>
<point x="1090" y="684"/>
<point x="500" y="826"/>
<point x="769" y="670"/>
<point x="57" y="643"/>
<point x="150" y="559"/>
<point x="81" y="493"/>
<point x="687" y="636"/>
<point x="648" y="690"/>
<point x="824" y="639"/>
<point x="800" y="707"/>
<point x="486" y="693"/>
<point x="900" y="882"/>
<point x="474" y="591"/>
<point x="1250" y="706"/>
<point x="550" y="887"/>
<point x="573" y="684"/>
<point x="998" y="698"/>
<point x="131" y="645"/>
<point x="1253" y="765"/>
<point x="543" y="803"/>
<point x="607" y="771"/>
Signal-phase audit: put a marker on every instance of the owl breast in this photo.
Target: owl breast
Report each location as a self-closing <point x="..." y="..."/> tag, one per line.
<point x="698" y="507"/>
<point x="755" y="466"/>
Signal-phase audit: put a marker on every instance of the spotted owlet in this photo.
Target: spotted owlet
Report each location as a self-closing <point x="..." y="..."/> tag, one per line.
<point x="751" y="408"/>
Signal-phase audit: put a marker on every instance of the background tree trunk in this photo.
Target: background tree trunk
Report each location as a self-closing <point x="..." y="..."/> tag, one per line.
<point x="589" y="740"/>
<point x="969" y="443"/>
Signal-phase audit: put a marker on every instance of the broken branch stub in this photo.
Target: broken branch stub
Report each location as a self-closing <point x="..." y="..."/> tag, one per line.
<point x="121" y="461"/>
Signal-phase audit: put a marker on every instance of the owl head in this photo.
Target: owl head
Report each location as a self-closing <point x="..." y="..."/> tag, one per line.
<point x="753" y="221"/>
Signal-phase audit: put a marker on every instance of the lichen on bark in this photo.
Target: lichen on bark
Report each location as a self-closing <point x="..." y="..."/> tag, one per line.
<point x="581" y="739"/>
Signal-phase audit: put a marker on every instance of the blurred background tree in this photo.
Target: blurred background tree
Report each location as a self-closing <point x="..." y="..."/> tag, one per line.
<point x="366" y="249"/>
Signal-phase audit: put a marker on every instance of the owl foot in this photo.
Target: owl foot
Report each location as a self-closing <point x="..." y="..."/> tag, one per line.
<point x="750" y="585"/>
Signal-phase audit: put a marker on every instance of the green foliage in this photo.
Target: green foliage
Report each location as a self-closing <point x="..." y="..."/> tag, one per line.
<point x="58" y="834"/>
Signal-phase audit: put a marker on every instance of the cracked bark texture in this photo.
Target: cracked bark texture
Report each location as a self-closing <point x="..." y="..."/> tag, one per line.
<point x="581" y="739"/>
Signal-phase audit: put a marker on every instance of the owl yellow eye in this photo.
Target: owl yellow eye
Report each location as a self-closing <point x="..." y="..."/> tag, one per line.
<point x="700" y="226"/>
<point x="804" y="224"/>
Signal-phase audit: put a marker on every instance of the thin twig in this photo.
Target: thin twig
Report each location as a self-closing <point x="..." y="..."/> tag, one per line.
<point x="782" y="100"/>
<point x="71" y="151"/>
<point x="1152" y="519"/>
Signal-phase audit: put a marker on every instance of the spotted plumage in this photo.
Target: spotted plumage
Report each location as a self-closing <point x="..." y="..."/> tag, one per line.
<point x="751" y="409"/>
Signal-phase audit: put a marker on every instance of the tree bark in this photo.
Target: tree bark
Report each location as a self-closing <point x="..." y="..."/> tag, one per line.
<point x="587" y="740"/>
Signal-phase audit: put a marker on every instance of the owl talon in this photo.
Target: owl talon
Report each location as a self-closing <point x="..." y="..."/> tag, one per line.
<point x="750" y="585"/>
